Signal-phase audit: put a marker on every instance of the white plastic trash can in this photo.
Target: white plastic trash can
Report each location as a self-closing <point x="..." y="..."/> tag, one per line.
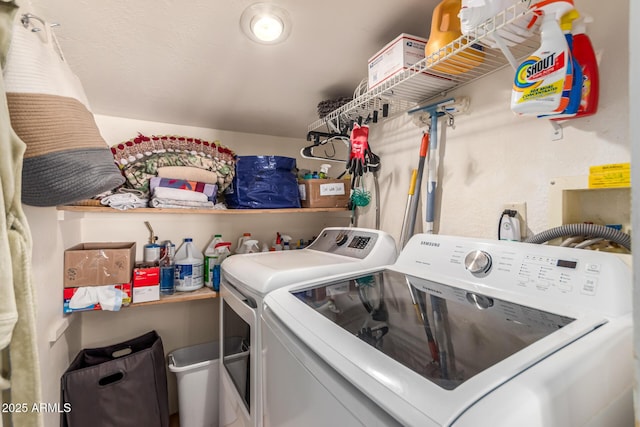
<point x="196" y="368"/>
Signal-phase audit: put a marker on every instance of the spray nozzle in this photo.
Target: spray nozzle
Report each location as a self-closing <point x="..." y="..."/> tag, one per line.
<point x="566" y="22"/>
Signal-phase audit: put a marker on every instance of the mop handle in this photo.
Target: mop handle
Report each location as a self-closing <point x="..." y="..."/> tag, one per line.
<point x="413" y="207"/>
<point x="405" y="220"/>
<point x="433" y="175"/>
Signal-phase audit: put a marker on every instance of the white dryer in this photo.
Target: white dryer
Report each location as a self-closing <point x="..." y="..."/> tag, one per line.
<point x="246" y="279"/>
<point x="505" y="334"/>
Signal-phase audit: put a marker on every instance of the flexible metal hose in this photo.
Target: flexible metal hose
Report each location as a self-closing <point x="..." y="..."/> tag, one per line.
<point x="589" y="230"/>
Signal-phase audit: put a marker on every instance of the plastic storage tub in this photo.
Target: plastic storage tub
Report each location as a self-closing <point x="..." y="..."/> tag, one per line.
<point x="196" y="368"/>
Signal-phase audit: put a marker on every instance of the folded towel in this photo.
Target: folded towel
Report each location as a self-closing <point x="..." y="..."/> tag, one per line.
<point x="176" y="194"/>
<point x="200" y="187"/>
<point x="157" y="202"/>
<point x="124" y="201"/>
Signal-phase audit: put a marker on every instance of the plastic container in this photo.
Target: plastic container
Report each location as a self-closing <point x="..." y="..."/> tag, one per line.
<point x="197" y="373"/>
<point x="584" y="53"/>
<point x="167" y="268"/>
<point x="445" y="28"/>
<point x="241" y="240"/>
<point x="197" y="368"/>
<point x="541" y="84"/>
<point x="209" y="255"/>
<point x="189" y="264"/>
<point x="222" y="250"/>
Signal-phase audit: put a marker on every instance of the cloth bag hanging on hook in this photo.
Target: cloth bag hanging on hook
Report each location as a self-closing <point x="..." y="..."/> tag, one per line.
<point x="66" y="158"/>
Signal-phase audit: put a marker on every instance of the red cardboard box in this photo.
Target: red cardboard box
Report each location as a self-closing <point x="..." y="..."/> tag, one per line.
<point x="146" y="284"/>
<point x="143" y="276"/>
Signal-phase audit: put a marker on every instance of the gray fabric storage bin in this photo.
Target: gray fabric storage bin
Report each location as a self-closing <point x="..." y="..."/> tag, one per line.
<point x="122" y="385"/>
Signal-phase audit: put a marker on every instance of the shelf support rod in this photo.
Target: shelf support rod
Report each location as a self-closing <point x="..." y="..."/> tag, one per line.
<point x="505" y="50"/>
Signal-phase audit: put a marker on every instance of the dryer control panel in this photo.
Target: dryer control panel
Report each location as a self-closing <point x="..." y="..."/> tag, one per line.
<point x="352" y="242"/>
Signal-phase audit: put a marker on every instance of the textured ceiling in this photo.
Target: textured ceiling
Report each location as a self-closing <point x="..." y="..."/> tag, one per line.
<point x="187" y="62"/>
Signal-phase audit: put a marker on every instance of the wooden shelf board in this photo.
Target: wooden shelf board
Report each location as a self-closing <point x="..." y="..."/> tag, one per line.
<point x="106" y="209"/>
<point x="200" y="294"/>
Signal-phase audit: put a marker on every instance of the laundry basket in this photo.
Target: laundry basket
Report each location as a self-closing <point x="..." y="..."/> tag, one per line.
<point x="196" y="368"/>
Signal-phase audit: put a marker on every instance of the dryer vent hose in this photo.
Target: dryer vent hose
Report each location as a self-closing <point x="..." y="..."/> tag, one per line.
<point x="587" y="230"/>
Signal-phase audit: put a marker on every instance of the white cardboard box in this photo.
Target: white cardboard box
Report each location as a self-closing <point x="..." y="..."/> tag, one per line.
<point x="399" y="54"/>
<point x="145" y="293"/>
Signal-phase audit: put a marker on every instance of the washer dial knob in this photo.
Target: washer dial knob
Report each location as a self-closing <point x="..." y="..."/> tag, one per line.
<point x="477" y="262"/>
<point x="341" y="239"/>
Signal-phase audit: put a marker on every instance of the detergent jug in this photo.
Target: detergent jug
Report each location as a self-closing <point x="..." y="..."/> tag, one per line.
<point x="584" y="53"/>
<point x="445" y="28"/>
<point x="189" y="263"/>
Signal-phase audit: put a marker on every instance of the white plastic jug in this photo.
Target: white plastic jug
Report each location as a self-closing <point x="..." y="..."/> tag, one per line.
<point x="189" y="266"/>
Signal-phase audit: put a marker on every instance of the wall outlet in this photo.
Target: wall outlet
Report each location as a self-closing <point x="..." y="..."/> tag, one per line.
<point x="521" y="207"/>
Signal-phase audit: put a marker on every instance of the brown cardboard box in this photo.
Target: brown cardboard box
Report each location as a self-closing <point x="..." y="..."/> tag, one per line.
<point x="98" y="264"/>
<point x="324" y="193"/>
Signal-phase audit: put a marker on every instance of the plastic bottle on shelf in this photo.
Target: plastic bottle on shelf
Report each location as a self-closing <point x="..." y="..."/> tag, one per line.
<point x="189" y="263"/>
<point x="251" y="246"/>
<point x="324" y="171"/>
<point x="445" y="28"/>
<point x="222" y="250"/>
<point x="209" y="254"/>
<point x="241" y="240"/>
<point x="167" y="268"/>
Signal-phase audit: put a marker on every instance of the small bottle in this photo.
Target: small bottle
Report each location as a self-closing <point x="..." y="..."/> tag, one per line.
<point x="241" y="240"/>
<point x="209" y="260"/>
<point x="223" y="250"/>
<point x="324" y="171"/>
<point x="167" y="268"/>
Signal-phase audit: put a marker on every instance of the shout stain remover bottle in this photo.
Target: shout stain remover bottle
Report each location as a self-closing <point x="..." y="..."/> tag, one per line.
<point x="541" y="81"/>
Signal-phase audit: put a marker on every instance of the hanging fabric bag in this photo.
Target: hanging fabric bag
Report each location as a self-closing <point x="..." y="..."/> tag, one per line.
<point x="66" y="159"/>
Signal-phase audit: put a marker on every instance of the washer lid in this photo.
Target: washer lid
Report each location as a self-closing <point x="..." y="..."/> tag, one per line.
<point x="367" y="330"/>
<point x="266" y="271"/>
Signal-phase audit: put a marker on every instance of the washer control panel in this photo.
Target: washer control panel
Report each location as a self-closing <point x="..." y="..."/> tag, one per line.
<point x="351" y="242"/>
<point x="563" y="275"/>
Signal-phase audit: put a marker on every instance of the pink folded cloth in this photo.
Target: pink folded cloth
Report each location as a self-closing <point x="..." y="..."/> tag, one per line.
<point x="210" y="190"/>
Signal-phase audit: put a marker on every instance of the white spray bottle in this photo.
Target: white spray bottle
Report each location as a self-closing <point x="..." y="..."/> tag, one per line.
<point x="541" y="84"/>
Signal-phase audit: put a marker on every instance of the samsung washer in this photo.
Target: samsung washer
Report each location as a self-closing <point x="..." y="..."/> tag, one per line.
<point x="502" y="334"/>
<point x="247" y="278"/>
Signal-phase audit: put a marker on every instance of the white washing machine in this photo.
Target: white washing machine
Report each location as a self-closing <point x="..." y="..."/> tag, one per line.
<point x="504" y="334"/>
<point x="247" y="278"/>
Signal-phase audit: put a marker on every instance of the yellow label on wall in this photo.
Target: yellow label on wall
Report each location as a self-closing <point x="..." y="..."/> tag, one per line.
<point x="613" y="167"/>
<point x="612" y="179"/>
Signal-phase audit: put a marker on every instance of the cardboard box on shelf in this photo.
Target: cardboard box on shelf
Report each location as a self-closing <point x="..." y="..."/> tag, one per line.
<point x="69" y="292"/>
<point x="324" y="193"/>
<point x="98" y="264"/>
<point x="398" y="55"/>
<point x="146" y="284"/>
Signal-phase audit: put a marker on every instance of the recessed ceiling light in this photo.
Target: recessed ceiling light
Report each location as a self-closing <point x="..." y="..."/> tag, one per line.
<point x="265" y="23"/>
